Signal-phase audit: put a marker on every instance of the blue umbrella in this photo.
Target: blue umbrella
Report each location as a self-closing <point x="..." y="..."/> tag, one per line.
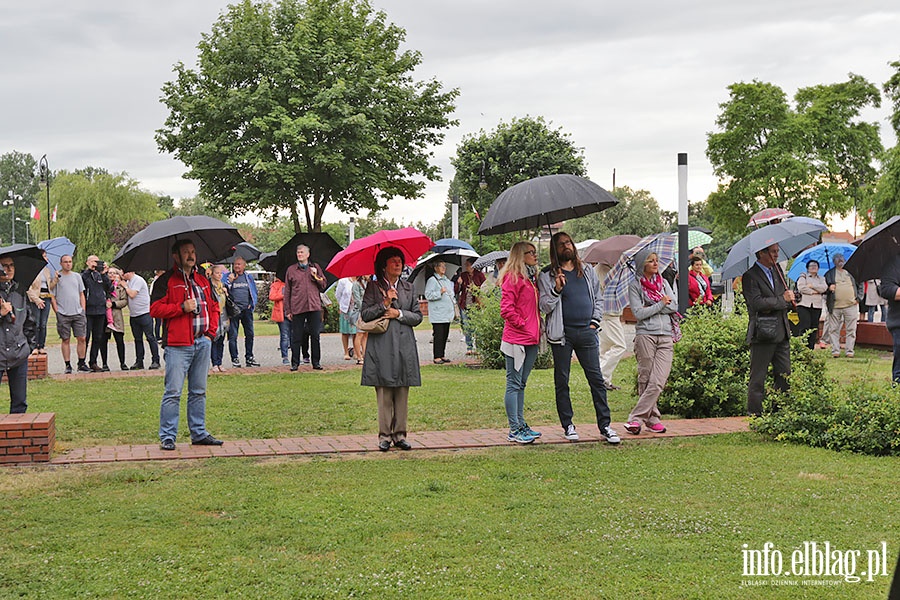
<point x="445" y="244"/>
<point x="615" y="285"/>
<point x="823" y="254"/>
<point x="56" y="248"/>
<point x="792" y="236"/>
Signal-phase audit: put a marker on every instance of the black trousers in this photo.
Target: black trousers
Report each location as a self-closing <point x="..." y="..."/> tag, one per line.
<point x="307" y="324"/>
<point x="809" y="322"/>
<point x="761" y="356"/>
<point x="441" y="333"/>
<point x="96" y="336"/>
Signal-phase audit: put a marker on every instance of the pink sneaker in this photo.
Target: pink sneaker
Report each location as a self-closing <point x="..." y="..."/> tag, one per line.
<point x="657" y="428"/>
<point x="633" y="427"/>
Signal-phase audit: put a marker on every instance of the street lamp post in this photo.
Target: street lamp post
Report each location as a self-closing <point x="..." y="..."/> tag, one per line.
<point x="27" y="229"/>
<point x="11" y="201"/>
<point x="45" y="179"/>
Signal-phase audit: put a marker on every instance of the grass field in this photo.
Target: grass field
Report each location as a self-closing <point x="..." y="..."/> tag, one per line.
<point x="661" y="519"/>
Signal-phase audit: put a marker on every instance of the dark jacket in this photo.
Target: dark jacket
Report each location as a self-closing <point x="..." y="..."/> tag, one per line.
<point x="17" y="329"/>
<point x="763" y="299"/>
<point x="302" y="288"/>
<point x="829" y="295"/>
<point x="890" y="282"/>
<point x="392" y="358"/>
<point x="97" y="290"/>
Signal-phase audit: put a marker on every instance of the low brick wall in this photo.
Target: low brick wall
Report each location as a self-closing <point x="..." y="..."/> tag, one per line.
<point x="37" y="367"/>
<point x="27" y="438"/>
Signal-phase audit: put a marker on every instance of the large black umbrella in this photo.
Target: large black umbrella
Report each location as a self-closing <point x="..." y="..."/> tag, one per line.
<point x="245" y="250"/>
<point x="878" y="248"/>
<point x="453" y="257"/>
<point x="544" y="200"/>
<point x="151" y="248"/>
<point x="28" y="259"/>
<point x="268" y="261"/>
<point x="322" y="249"/>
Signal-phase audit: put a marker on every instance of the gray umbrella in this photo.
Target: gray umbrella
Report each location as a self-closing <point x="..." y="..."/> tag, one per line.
<point x="792" y="236"/>
<point x="878" y="248"/>
<point x="544" y="200"/>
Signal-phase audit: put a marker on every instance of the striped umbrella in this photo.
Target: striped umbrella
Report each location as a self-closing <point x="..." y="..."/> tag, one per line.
<point x="615" y="285"/>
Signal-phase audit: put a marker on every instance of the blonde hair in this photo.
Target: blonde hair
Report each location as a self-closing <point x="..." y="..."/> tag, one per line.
<point x="647" y="261"/>
<point x="515" y="266"/>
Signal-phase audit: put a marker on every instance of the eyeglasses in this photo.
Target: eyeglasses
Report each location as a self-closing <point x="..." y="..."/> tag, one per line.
<point x="532" y="252"/>
<point x="8" y="266"/>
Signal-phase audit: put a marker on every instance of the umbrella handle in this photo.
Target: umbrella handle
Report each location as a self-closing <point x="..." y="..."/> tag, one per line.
<point x="784" y="283"/>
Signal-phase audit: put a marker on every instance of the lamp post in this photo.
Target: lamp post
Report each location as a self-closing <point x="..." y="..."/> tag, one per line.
<point x="27" y="229"/>
<point x="11" y="201"/>
<point x="352" y="235"/>
<point x="45" y="179"/>
<point x="454" y="217"/>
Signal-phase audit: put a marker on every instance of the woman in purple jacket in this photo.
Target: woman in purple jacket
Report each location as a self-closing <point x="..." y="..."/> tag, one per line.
<point x="521" y="334"/>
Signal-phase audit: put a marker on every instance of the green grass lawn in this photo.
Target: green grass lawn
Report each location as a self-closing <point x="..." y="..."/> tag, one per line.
<point x="660" y="519"/>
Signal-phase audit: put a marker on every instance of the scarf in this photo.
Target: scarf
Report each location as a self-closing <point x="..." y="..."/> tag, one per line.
<point x="653" y="288"/>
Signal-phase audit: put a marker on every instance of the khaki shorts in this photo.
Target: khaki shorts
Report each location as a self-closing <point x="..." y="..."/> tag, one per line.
<point x="67" y="324"/>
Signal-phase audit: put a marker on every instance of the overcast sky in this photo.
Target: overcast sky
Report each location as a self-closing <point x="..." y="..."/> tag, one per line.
<point x="634" y="83"/>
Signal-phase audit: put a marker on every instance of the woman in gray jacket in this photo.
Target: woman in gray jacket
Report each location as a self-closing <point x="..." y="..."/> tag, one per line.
<point x="392" y="360"/>
<point x="655" y="307"/>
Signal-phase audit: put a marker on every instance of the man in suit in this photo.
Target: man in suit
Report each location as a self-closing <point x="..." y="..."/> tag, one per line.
<point x="767" y="296"/>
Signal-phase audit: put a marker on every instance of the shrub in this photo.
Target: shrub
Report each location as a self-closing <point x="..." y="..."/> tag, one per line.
<point x="263" y="305"/>
<point x="487" y="327"/>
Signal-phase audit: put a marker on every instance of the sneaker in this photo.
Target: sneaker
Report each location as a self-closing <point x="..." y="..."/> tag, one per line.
<point x="835" y="354"/>
<point x="236" y="364"/>
<point x="610" y="434"/>
<point x="305" y="360"/>
<point x="138" y="366"/>
<point x="571" y="434"/>
<point x="285" y="361"/>
<point x="104" y="369"/>
<point x="251" y="362"/>
<point x="519" y="436"/>
<point x="209" y="440"/>
<point x="531" y="432"/>
<point x="68" y="369"/>
<point x="657" y="428"/>
<point x="154" y="365"/>
<point x="167" y="444"/>
<point x="850" y="354"/>
<point x="633" y="427"/>
<point x="83" y="368"/>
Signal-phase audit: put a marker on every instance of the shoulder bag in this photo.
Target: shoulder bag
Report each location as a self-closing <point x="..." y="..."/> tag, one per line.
<point x="375" y="327"/>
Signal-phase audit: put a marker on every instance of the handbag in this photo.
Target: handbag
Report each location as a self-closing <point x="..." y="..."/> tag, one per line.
<point x="231" y="309"/>
<point x="767" y="328"/>
<point x="375" y="327"/>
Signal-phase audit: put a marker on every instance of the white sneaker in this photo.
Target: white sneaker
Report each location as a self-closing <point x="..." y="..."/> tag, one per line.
<point x="610" y="434"/>
<point x="571" y="434"/>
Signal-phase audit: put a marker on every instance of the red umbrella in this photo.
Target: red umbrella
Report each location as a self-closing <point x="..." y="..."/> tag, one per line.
<point x="768" y="215"/>
<point x="359" y="257"/>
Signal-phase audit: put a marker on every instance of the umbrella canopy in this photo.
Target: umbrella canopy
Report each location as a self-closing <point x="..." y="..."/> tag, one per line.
<point x="792" y="236"/>
<point x="823" y="254"/>
<point x="450" y="244"/>
<point x="878" y="248"/>
<point x="28" y="259"/>
<point x="268" y="261"/>
<point x="151" y="248"/>
<point x="454" y="257"/>
<point x="56" y="248"/>
<point x="358" y="258"/>
<point x="245" y="250"/>
<point x="615" y="285"/>
<point x="489" y="259"/>
<point x="322" y="249"/>
<point x="695" y="238"/>
<point x="767" y="215"/>
<point x="544" y="200"/>
<point x="609" y="251"/>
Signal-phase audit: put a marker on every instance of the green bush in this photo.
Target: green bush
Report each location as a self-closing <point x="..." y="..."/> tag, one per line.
<point x="487" y="328"/>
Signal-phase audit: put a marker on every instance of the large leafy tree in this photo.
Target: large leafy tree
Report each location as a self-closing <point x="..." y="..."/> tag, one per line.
<point x="487" y="163"/>
<point x="301" y="105"/>
<point x="813" y="160"/>
<point x="98" y="211"/>
<point x="17" y="175"/>
<point x="886" y="201"/>
<point x="637" y="213"/>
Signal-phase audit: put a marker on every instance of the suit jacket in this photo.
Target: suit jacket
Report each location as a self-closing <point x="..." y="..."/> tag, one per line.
<point x="762" y="298"/>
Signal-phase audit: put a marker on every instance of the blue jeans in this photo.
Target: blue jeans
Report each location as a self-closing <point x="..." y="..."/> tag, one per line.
<point x="40" y="316"/>
<point x="466" y="327"/>
<point x="245" y="319"/>
<point x="217" y="351"/>
<point x="142" y="325"/>
<point x="284" y="339"/>
<point x="18" y="387"/>
<point x="895" y="370"/>
<point x="586" y="344"/>
<point x="871" y="316"/>
<point x="191" y="363"/>
<point x="514" y="400"/>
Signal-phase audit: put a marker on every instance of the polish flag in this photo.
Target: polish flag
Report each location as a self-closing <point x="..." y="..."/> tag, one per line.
<point x="53" y="214"/>
<point x="35" y="213"/>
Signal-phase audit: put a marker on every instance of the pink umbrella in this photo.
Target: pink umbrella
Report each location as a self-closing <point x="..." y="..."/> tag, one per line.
<point x="769" y="215"/>
<point x="359" y="257"/>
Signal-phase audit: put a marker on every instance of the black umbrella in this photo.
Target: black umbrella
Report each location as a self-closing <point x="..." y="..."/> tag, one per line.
<point x="453" y="257"/>
<point x="322" y="249"/>
<point x="28" y="259"/>
<point x="878" y="248"/>
<point x="245" y="250"/>
<point x="544" y="200"/>
<point x="268" y="261"/>
<point x="151" y="248"/>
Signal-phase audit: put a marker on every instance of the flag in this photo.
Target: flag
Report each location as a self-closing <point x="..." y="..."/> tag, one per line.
<point x="475" y="210"/>
<point x="53" y="214"/>
<point x="35" y="213"/>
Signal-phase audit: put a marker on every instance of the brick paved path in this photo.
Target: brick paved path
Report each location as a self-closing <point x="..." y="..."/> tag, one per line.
<point x="341" y="444"/>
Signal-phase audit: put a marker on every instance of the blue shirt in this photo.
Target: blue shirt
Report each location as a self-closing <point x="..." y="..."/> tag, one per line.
<point x="240" y="291"/>
<point x="576" y="300"/>
<point x="768" y="273"/>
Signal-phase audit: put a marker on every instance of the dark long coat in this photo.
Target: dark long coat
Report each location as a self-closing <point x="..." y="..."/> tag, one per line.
<point x="392" y="359"/>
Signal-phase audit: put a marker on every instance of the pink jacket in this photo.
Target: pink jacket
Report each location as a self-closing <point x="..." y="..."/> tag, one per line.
<point x="519" y="309"/>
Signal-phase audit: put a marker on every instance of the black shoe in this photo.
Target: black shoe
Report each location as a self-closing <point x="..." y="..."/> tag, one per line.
<point x="318" y="367"/>
<point x="104" y="369"/>
<point x="138" y="366"/>
<point x="68" y="369"/>
<point x="154" y="365"/>
<point x="236" y="363"/>
<point x="124" y="367"/>
<point x="294" y="368"/>
<point x="83" y="368"/>
<point x="384" y="446"/>
<point x="403" y="445"/>
<point x="252" y="362"/>
<point x="167" y="445"/>
<point x="446" y="360"/>
<point x="209" y="440"/>
<point x="305" y="360"/>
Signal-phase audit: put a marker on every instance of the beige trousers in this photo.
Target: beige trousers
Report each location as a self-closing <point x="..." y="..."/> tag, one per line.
<point x="612" y="345"/>
<point x="393" y="405"/>
<point x="654" y="362"/>
<point x="849" y="316"/>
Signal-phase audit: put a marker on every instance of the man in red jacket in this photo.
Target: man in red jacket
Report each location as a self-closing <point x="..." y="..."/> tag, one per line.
<point x="183" y="299"/>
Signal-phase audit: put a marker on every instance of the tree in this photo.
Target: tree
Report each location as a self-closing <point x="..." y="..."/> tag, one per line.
<point x="514" y="152"/>
<point x="17" y="176"/>
<point x="815" y="160"/>
<point x="301" y="105"/>
<point x="886" y="201"/>
<point x="637" y="213"/>
<point x="95" y="209"/>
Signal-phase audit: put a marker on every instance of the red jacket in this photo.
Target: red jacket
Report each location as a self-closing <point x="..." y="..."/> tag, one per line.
<point x="169" y="293"/>
<point x="276" y="295"/>
<point x="694" y="290"/>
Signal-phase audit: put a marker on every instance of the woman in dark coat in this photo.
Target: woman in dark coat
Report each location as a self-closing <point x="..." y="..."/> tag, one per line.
<point x="392" y="360"/>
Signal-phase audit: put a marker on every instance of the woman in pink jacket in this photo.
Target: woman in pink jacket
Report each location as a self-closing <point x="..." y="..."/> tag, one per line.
<point x="521" y="334"/>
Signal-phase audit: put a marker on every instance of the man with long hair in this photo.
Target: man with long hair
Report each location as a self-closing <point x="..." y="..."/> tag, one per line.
<point x="570" y="297"/>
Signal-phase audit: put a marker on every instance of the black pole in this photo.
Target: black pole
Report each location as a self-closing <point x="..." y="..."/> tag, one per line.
<point x="45" y="174"/>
